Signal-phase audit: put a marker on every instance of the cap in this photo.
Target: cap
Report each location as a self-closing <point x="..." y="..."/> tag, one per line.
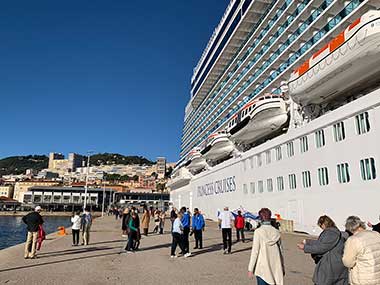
<point x="37" y="208"/>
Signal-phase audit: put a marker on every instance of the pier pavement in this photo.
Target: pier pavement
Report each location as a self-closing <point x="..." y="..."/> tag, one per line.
<point x="101" y="262"/>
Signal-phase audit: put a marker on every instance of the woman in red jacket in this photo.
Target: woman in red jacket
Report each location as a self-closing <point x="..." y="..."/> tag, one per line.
<point x="239" y="225"/>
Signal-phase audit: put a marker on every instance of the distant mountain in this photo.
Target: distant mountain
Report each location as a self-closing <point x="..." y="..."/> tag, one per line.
<point x="115" y="158"/>
<point x="19" y="164"/>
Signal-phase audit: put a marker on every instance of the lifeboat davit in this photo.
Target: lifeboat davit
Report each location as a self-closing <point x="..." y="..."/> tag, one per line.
<point x="196" y="161"/>
<point x="345" y="66"/>
<point x="259" y="119"/>
<point x="180" y="177"/>
<point x="218" y="146"/>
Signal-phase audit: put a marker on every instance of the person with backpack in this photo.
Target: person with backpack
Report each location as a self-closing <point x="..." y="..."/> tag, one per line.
<point x="33" y="222"/>
<point x="327" y="252"/>
<point x="86" y="223"/>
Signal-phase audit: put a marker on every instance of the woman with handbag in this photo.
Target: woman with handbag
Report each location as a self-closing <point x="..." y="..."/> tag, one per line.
<point x="327" y="253"/>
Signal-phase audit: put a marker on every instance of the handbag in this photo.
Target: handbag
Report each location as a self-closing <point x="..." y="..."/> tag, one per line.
<point x="317" y="257"/>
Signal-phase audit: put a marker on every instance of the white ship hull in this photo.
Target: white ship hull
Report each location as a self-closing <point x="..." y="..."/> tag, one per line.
<point x="245" y="181"/>
<point x="222" y="147"/>
<point x="179" y="178"/>
<point x="268" y="119"/>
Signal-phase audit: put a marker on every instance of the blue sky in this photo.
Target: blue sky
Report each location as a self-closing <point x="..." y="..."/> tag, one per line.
<point x="108" y="76"/>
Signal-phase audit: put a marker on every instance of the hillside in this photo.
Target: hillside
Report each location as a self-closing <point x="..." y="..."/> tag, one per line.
<point x="19" y="164"/>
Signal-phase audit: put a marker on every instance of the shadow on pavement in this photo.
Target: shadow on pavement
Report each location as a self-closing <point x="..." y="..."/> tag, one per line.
<point x="77" y="251"/>
<point x="57" y="262"/>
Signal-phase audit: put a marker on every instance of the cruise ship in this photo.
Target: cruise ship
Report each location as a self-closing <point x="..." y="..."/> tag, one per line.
<point x="284" y="113"/>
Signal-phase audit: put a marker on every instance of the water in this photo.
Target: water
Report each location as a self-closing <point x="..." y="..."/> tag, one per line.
<point x="13" y="230"/>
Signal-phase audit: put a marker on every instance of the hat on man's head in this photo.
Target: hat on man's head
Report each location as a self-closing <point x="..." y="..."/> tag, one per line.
<point x="37" y="208"/>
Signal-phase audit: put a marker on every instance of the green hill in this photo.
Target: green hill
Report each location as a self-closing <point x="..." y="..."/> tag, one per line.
<point x="19" y="164"/>
<point x="115" y="158"/>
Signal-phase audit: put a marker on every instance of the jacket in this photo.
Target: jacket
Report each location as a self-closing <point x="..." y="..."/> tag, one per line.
<point x="198" y="222"/>
<point x="186" y="220"/>
<point x="132" y="224"/>
<point x="32" y="221"/>
<point x="125" y="221"/>
<point x="86" y="221"/>
<point x="362" y="257"/>
<point x="76" y="221"/>
<point x="266" y="256"/>
<point x="239" y="222"/>
<point x="330" y="269"/>
<point x="145" y="220"/>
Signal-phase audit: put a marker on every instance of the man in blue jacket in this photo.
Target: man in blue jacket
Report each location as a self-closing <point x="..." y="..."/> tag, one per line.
<point x="186" y="229"/>
<point x="198" y="226"/>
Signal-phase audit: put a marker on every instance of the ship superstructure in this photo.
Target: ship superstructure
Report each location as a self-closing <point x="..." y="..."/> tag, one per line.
<point x="284" y="112"/>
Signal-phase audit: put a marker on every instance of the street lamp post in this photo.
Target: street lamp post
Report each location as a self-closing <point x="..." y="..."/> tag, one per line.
<point x="87" y="174"/>
<point x="104" y="196"/>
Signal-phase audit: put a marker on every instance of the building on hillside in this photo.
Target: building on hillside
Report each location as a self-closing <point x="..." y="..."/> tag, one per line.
<point x="67" y="198"/>
<point x="6" y="191"/>
<point x="147" y="182"/>
<point x="23" y="186"/>
<point x="58" y="163"/>
<point x="8" y="204"/>
<point x="161" y="167"/>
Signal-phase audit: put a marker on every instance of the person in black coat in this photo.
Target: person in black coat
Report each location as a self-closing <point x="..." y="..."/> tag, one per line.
<point x="32" y="220"/>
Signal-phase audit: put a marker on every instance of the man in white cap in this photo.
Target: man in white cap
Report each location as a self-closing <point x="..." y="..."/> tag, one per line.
<point x="32" y="220"/>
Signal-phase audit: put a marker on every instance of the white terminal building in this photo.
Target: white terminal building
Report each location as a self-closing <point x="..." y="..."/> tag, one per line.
<point x="284" y="113"/>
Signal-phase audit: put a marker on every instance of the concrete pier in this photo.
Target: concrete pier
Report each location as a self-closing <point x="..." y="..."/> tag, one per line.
<point x="101" y="261"/>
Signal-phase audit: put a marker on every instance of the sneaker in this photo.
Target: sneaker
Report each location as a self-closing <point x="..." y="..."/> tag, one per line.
<point x="173" y="256"/>
<point x="188" y="254"/>
<point x="225" y="251"/>
<point x="195" y="247"/>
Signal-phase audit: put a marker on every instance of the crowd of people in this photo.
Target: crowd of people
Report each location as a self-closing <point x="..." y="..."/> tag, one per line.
<point x="349" y="257"/>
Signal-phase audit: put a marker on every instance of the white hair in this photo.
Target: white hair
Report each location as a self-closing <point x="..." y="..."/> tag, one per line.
<point x="353" y="223"/>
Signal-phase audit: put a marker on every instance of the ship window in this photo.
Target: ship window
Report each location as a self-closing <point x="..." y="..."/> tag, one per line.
<point x="260" y="186"/>
<point x="343" y="173"/>
<point x="323" y="176"/>
<point x="320" y="138"/>
<point x="304" y="144"/>
<point x="251" y="162"/>
<point x="306" y="179"/>
<point x="278" y="153"/>
<point x="270" y="185"/>
<point x="362" y="123"/>
<point x="280" y="183"/>
<point x="252" y="186"/>
<point x="368" y="169"/>
<point x="339" y="132"/>
<point x="292" y="181"/>
<point x="245" y="189"/>
<point x="259" y="160"/>
<point x="268" y="156"/>
<point x="290" y="149"/>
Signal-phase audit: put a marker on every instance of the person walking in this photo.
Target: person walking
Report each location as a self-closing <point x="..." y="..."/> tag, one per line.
<point x="124" y="222"/>
<point x="239" y="225"/>
<point x="75" y="227"/>
<point x="186" y="229"/>
<point x="86" y="223"/>
<point x="362" y="253"/>
<point x="32" y="220"/>
<point x="156" y="220"/>
<point x="173" y="214"/>
<point x="162" y="221"/>
<point x="327" y="253"/>
<point x="266" y="261"/>
<point x="226" y="218"/>
<point x="198" y="225"/>
<point x="177" y="236"/>
<point x="145" y="221"/>
<point x="132" y="233"/>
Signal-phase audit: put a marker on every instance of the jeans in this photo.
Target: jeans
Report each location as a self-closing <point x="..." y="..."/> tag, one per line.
<point x="86" y="235"/>
<point x="132" y="237"/>
<point x="75" y="234"/>
<point x="177" y="240"/>
<point x="31" y="244"/>
<point x="261" y="281"/>
<point x="227" y="239"/>
<point x="238" y="232"/>
<point x="186" y="232"/>
<point x="198" y="238"/>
